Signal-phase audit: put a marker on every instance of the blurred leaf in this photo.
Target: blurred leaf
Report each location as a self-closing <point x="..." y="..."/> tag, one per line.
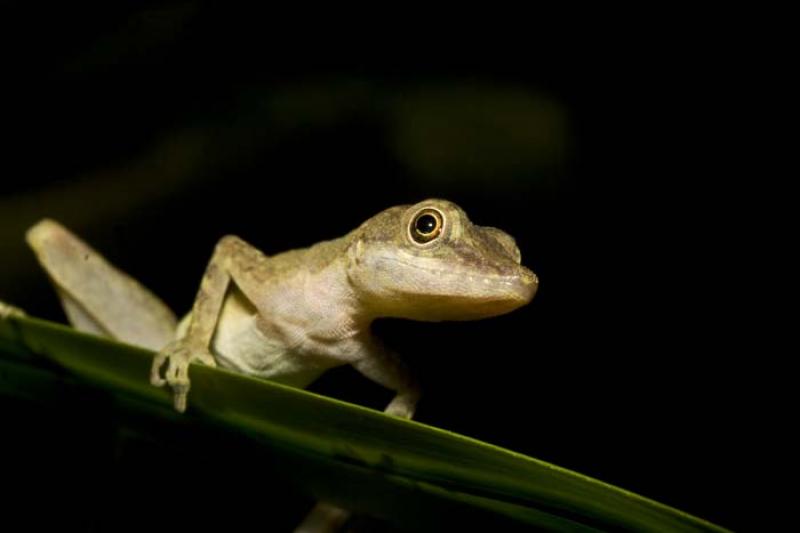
<point x="480" y="134"/>
<point x="413" y="475"/>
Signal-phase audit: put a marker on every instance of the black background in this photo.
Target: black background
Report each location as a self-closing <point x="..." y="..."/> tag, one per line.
<point x="154" y="130"/>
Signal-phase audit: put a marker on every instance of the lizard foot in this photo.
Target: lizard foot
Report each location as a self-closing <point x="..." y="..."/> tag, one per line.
<point x="8" y="310"/>
<point x="178" y="355"/>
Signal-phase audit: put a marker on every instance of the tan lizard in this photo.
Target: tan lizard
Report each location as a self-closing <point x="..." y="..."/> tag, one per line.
<point x="292" y="316"/>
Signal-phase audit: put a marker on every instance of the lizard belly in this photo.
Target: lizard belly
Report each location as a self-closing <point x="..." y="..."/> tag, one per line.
<point x="240" y="344"/>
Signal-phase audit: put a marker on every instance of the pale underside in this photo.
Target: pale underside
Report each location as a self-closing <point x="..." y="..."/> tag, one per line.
<point x="241" y="344"/>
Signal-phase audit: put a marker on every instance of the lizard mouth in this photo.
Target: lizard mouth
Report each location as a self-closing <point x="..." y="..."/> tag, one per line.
<point x="466" y="287"/>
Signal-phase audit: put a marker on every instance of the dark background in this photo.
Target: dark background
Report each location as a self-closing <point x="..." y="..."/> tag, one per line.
<point x="152" y="131"/>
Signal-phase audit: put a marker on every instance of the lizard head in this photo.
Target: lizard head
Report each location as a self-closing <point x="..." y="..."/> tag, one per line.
<point x="429" y="262"/>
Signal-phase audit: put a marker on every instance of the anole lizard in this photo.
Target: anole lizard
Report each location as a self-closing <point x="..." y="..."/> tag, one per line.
<point x="294" y="315"/>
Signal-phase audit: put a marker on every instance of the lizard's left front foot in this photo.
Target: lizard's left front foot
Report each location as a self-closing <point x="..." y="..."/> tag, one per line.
<point x="404" y="403"/>
<point x="178" y="355"/>
<point x="8" y="310"/>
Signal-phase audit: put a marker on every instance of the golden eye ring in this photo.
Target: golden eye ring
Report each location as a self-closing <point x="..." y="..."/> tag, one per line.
<point x="426" y="226"/>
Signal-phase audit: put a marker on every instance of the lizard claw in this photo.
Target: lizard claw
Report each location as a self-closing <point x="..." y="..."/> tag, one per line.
<point x="155" y="370"/>
<point x="180" y="392"/>
<point x="178" y="355"/>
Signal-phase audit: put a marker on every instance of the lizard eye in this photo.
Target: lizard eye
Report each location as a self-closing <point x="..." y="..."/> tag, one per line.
<point x="426" y="226"/>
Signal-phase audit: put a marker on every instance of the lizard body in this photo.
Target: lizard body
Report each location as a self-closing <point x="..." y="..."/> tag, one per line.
<point x="291" y="316"/>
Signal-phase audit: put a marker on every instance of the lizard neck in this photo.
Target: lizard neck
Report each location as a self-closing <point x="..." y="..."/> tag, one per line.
<point x="328" y="293"/>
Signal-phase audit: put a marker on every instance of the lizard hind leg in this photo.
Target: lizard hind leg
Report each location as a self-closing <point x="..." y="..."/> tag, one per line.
<point x="96" y="296"/>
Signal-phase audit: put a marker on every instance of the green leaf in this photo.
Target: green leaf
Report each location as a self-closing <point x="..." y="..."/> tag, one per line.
<point x="390" y="466"/>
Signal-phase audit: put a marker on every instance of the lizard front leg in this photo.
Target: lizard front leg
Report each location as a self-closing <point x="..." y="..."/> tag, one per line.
<point x="385" y="368"/>
<point x="195" y="344"/>
<point x="235" y="261"/>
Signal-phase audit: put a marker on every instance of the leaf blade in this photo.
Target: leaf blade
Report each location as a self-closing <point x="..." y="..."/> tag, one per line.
<point x="410" y="458"/>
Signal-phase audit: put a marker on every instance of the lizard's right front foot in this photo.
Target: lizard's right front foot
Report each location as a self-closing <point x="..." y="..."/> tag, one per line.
<point x="178" y="355"/>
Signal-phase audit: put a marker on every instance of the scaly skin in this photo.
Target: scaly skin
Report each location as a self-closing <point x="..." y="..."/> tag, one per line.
<point x="316" y="304"/>
<point x="292" y="316"/>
